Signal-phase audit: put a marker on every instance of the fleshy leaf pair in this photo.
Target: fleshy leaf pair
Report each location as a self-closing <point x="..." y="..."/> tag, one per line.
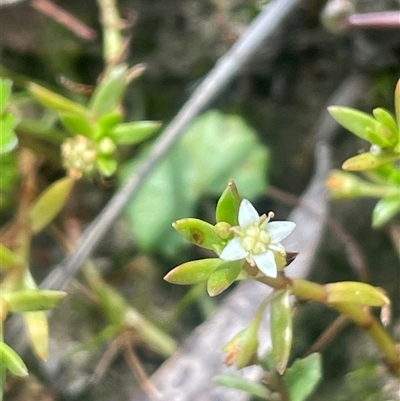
<point x="239" y="236"/>
<point x="381" y="130"/>
<point x="97" y="127"/>
<point x="218" y="274"/>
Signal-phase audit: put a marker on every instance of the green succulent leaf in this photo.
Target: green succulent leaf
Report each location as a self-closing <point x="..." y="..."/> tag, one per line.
<point x="106" y="165"/>
<point x="303" y="376"/>
<point x="8" y="139"/>
<point x="361" y="124"/>
<point x="8" y="258"/>
<point x="5" y="93"/>
<point x="55" y="101"/>
<point x="368" y="161"/>
<point x="214" y="149"/>
<point x="32" y="300"/>
<point x="387" y="173"/>
<point x="134" y="132"/>
<point x="77" y="123"/>
<point x="108" y="121"/>
<point x="385" y="210"/>
<point x="12" y="361"/>
<point x="397" y="104"/>
<point x="108" y="94"/>
<point x="240" y="383"/>
<point x="223" y="277"/>
<point x="281" y="330"/>
<point x="386" y="119"/>
<point x="193" y="272"/>
<point x="38" y="329"/>
<point x="50" y="203"/>
<point x="355" y="292"/>
<point x="228" y="205"/>
<point x="199" y="233"/>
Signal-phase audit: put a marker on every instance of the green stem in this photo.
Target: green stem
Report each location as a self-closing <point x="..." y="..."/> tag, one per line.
<point x="364" y="319"/>
<point x="357" y="312"/>
<point x="121" y="313"/>
<point x="113" y="43"/>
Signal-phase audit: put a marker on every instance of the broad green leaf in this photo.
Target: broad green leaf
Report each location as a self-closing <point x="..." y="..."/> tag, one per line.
<point x="134" y="132"/>
<point x="213" y="150"/>
<point x="8" y="139"/>
<point x="385" y="118"/>
<point x="221" y="147"/>
<point x="107" y="165"/>
<point x="228" y="205"/>
<point x="193" y="272"/>
<point x="360" y="124"/>
<point x="108" y="94"/>
<point x="198" y="232"/>
<point x="55" y="101"/>
<point x="355" y="292"/>
<point x="50" y="203"/>
<point x="5" y="93"/>
<point x="38" y="330"/>
<point x="281" y="330"/>
<point x="385" y="210"/>
<point x="223" y="277"/>
<point x="303" y="376"/>
<point x="162" y="200"/>
<point x="12" y="361"/>
<point x="32" y="300"/>
<point x="240" y="383"/>
<point x="77" y="123"/>
<point x="368" y="161"/>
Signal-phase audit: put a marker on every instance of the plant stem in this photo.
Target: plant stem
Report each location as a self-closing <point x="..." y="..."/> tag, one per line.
<point x="357" y="312"/>
<point x="113" y="43"/>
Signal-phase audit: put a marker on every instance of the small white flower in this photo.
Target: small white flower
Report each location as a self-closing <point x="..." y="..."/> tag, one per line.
<point x="256" y="239"/>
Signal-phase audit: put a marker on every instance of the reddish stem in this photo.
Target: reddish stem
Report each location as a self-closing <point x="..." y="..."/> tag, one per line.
<point x="378" y="20"/>
<point x="64" y="18"/>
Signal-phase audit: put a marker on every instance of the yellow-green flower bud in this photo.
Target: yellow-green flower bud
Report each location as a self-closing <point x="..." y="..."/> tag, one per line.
<point x="79" y="156"/>
<point x="106" y="146"/>
<point x="223" y="230"/>
<point x="347" y="185"/>
<point x="242" y="349"/>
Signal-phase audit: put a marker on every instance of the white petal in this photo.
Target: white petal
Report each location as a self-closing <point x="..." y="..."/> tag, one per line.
<point x="280" y="230"/>
<point x="266" y="263"/>
<point x="247" y="214"/>
<point x="233" y="251"/>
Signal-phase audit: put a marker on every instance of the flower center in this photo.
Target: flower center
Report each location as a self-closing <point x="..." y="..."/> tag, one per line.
<point x="254" y="238"/>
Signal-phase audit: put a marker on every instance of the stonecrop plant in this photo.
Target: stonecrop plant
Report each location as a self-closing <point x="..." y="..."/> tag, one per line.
<point x="88" y="144"/>
<point x="379" y="165"/>
<point x="86" y="137"/>
<point x="248" y="246"/>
